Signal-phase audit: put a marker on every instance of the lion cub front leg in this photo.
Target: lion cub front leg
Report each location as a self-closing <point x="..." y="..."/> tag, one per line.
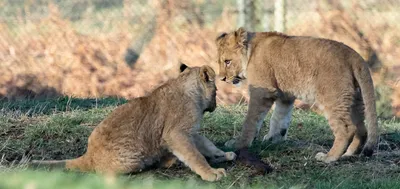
<point x="180" y="144"/>
<point x="280" y="121"/>
<point x="260" y="104"/>
<point x="208" y="149"/>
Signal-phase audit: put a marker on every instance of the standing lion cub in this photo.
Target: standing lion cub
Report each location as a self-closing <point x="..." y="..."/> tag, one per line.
<point x="279" y="68"/>
<point x="154" y="129"/>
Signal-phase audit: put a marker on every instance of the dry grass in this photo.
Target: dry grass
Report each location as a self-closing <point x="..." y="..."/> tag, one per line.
<point x="50" y="57"/>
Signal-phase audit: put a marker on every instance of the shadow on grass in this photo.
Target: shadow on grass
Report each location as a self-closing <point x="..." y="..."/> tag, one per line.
<point x="45" y="133"/>
<point x="32" y="107"/>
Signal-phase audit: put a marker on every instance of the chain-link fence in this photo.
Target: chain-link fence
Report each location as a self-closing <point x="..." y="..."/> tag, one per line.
<point x="91" y="48"/>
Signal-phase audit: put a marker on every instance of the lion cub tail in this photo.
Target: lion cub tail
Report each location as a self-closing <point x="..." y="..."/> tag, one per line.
<point x="364" y="79"/>
<point x="50" y="164"/>
<point x="78" y="164"/>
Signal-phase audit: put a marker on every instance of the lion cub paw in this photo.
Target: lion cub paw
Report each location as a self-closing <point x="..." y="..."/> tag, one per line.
<point x="230" y="156"/>
<point x="230" y="143"/>
<point x="325" y="158"/>
<point x="275" y="138"/>
<point x="214" y="175"/>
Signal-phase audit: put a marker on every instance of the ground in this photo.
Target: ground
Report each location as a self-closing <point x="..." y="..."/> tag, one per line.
<point x="58" y="129"/>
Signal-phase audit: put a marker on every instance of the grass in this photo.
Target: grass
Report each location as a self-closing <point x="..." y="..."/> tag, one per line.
<point x="58" y="129"/>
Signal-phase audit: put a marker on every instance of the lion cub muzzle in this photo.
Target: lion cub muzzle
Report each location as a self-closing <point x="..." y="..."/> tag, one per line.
<point x="233" y="80"/>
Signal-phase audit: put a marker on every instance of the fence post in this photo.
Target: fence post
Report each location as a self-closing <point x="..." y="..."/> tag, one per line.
<point x="241" y="13"/>
<point x="265" y="16"/>
<point x="279" y="14"/>
<point x="246" y="14"/>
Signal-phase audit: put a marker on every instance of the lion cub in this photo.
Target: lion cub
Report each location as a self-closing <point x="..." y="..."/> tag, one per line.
<point x="152" y="130"/>
<point x="279" y="68"/>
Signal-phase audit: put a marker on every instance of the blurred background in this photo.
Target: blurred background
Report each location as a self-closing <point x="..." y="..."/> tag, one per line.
<point x="125" y="48"/>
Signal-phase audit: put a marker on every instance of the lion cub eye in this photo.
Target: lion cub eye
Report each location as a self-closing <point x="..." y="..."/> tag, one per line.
<point x="227" y="62"/>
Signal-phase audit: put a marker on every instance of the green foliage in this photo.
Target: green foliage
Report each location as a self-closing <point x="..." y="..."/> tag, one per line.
<point x="383" y="101"/>
<point x="60" y="180"/>
<point x="51" y="106"/>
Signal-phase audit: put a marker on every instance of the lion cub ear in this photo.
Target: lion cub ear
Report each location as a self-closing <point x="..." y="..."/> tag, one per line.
<point x="182" y="67"/>
<point x="207" y="74"/>
<point x="218" y="40"/>
<point x="241" y="36"/>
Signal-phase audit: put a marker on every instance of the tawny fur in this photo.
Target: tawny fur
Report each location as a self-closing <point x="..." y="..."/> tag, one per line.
<point x="280" y="68"/>
<point x="156" y="130"/>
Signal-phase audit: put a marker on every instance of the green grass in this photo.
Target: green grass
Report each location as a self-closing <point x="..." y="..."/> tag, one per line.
<point x="58" y="129"/>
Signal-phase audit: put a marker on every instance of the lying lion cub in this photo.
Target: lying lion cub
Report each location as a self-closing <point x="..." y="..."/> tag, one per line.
<point x="279" y="68"/>
<point x="146" y="131"/>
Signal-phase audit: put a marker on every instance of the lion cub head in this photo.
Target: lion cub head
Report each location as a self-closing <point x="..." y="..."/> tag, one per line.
<point x="200" y="84"/>
<point x="232" y="56"/>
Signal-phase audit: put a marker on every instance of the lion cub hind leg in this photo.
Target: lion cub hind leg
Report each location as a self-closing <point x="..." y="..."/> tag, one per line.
<point x="360" y="137"/>
<point x="343" y="129"/>
<point x="182" y="147"/>
<point x="116" y="168"/>
<point x="121" y="161"/>
<point x="168" y="161"/>
<point x="208" y="149"/>
<point x="280" y="121"/>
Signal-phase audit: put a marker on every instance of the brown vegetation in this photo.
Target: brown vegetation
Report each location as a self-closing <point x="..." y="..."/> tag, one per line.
<point x="49" y="54"/>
